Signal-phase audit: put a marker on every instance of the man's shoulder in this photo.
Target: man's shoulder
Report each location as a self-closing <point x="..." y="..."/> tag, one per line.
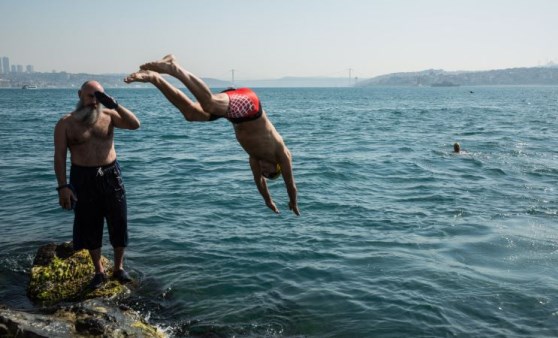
<point x="65" y="119"/>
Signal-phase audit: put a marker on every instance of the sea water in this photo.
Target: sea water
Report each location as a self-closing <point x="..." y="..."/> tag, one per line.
<point x="397" y="237"/>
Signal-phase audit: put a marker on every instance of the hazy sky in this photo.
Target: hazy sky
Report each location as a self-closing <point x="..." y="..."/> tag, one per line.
<point x="275" y="38"/>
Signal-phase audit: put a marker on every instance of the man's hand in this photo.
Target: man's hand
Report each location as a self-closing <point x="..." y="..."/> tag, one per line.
<point x="106" y="100"/>
<point x="294" y="208"/>
<point x="272" y="206"/>
<point x="67" y="199"/>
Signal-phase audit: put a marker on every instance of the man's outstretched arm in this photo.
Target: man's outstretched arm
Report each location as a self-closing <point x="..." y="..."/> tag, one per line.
<point x="285" y="162"/>
<point x="261" y="184"/>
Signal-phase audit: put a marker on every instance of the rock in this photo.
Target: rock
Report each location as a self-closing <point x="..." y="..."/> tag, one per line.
<point x="45" y="254"/>
<point x="61" y="274"/>
<point x="93" y="317"/>
<point x="4" y="332"/>
<point x="65" y="250"/>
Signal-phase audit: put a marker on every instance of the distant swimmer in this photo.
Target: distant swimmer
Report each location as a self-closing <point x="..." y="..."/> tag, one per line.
<point x="269" y="157"/>
<point x="456" y="148"/>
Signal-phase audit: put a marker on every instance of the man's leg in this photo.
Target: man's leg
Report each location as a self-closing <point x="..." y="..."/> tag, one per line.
<point x="116" y="214"/>
<point x="118" y="258"/>
<point x="192" y="111"/>
<point x="100" y="276"/>
<point x="214" y="104"/>
<point x="96" y="259"/>
<point x="118" y="272"/>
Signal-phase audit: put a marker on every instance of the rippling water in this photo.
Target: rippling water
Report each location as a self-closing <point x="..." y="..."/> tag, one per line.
<point x="397" y="237"/>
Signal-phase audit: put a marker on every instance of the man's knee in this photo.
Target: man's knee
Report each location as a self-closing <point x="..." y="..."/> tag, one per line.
<point x="188" y="117"/>
<point x="208" y="107"/>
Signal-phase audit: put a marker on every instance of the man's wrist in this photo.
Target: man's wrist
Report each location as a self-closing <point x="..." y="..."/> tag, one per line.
<point x="60" y="187"/>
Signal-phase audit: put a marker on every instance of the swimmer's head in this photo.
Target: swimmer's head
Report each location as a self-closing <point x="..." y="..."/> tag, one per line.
<point x="270" y="170"/>
<point x="456" y="147"/>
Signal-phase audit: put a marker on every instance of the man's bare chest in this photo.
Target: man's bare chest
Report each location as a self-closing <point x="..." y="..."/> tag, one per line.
<point x="100" y="132"/>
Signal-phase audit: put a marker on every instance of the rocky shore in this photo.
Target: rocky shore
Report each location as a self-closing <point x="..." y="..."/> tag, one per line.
<point x="66" y="308"/>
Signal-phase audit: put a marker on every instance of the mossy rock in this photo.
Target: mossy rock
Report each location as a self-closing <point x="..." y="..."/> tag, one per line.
<point x="54" y="279"/>
<point x="90" y="318"/>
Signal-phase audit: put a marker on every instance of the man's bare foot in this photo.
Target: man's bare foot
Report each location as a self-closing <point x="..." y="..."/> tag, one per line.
<point x="166" y="65"/>
<point x="142" y="76"/>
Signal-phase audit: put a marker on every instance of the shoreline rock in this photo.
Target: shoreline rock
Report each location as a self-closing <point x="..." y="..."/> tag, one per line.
<point x="61" y="274"/>
<point x="92" y="317"/>
<point x="66" y="307"/>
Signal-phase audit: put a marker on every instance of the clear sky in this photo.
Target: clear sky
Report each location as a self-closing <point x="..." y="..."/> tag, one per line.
<point x="263" y="39"/>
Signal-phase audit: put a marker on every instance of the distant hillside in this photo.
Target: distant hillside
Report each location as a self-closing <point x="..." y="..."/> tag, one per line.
<point x="432" y="77"/>
<point x="511" y="76"/>
<point x="297" y="82"/>
<point x="69" y="80"/>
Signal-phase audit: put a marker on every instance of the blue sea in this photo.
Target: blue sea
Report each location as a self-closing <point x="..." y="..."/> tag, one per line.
<point x="397" y="237"/>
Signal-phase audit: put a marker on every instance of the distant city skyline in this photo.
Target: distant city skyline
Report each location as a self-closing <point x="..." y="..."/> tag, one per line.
<point x="6" y="67"/>
<point x="271" y="39"/>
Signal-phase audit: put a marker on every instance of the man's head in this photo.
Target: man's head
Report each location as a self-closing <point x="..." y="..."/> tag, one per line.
<point x="456" y="147"/>
<point x="88" y="108"/>
<point x="270" y="170"/>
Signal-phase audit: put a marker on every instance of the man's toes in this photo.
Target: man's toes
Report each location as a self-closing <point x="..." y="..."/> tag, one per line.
<point x="132" y="77"/>
<point x="169" y="58"/>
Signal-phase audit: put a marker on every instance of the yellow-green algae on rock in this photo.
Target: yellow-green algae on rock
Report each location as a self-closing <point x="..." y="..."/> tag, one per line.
<point x="148" y="330"/>
<point x="58" y="279"/>
<point x="90" y="318"/>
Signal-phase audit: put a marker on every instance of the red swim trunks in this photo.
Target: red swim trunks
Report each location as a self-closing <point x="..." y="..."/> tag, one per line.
<point x="244" y="105"/>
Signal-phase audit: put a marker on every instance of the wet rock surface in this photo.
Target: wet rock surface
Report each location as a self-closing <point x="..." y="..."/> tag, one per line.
<point x="66" y="307"/>
<point x="93" y="317"/>
<point x="61" y="274"/>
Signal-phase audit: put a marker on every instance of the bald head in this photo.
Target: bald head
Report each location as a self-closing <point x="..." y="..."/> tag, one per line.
<point x="92" y="84"/>
<point x="87" y="108"/>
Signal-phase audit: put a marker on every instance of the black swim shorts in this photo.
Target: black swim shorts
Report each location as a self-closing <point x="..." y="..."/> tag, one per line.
<point x="101" y="195"/>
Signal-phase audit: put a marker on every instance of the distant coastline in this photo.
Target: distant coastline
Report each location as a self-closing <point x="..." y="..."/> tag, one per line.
<point x="69" y="80"/>
<point x="431" y="78"/>
<point x="498" y="77"/>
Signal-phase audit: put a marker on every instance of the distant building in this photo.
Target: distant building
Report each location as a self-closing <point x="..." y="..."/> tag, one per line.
<point x="5" y="65"/>
<point x="30" y="69"/>
<point x="13" y="68"/>
<point x="19" y="68"/>
<point x="4" y="83"/>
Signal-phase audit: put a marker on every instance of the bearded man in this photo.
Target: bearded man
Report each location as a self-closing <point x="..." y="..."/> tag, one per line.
<point x="95" y="191"/>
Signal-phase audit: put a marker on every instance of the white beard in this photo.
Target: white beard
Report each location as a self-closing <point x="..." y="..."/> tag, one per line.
<point x="87" y="115"/>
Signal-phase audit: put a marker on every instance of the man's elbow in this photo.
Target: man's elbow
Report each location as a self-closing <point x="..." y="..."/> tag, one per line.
<point x="135" y="125"/>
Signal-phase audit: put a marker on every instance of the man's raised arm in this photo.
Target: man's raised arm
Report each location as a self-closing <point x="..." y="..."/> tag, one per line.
<point x="123" y="118"/>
